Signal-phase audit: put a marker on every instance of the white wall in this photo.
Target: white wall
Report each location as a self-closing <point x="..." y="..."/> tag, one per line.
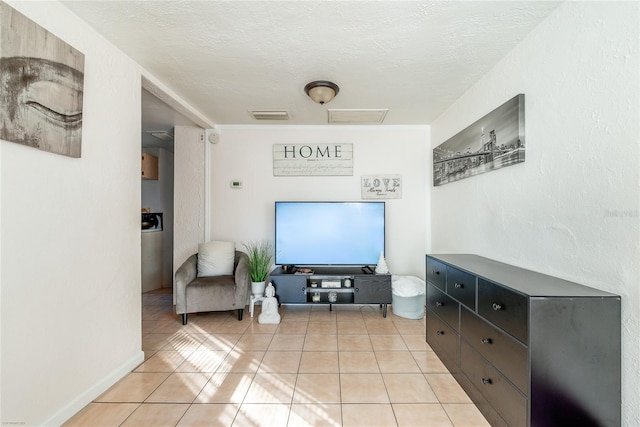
<point x="245" y="153"/>
<point x="70" y="275"/>
<point x="572" y="209"/>
<point x="189" y="193"/>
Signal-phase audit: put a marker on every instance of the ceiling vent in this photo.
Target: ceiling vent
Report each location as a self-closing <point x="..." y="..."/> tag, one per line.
<point x="162" y="135"/>
<point x="370" y="116"/>
<point x="270" y="115"/>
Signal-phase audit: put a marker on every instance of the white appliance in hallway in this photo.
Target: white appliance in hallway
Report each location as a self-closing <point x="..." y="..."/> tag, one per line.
<point x="151" y="225"/>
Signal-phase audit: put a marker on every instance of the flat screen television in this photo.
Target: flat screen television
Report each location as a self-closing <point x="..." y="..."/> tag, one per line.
<point x="329" y="233"/>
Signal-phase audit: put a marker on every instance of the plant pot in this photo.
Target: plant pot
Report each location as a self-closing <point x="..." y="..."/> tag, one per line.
<point x="257" y="289"/>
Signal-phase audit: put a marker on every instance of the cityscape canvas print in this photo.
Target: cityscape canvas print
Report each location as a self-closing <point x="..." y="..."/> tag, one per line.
<point x="41" y="86"/>
<point x="492" y="142"/>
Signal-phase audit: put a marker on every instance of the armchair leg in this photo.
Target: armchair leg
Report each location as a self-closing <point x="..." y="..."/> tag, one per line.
<point x="239" y="314"/>
<point x="184" y="318"/>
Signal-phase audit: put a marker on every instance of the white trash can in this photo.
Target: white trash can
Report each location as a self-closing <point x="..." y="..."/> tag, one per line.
<point x="408" y="296"/>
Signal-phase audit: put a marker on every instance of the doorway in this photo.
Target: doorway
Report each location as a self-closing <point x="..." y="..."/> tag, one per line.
<point x="168" y="124"/>
<point x="157" y="147"/>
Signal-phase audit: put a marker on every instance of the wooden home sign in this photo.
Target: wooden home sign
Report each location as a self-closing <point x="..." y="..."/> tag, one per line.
<point x="312" y="159"/>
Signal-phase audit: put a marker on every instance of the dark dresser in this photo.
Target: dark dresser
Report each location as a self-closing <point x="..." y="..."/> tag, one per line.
<point x="529" y="349"/>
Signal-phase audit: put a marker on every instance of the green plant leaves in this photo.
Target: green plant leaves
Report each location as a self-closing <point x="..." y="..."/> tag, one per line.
<point x="260" y="254"/>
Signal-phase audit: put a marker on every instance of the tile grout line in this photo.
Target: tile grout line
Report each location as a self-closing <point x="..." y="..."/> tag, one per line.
<point x="399" y="331"/>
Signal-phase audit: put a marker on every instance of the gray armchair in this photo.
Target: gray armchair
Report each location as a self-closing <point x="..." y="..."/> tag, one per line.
<point x="197" y="294"/>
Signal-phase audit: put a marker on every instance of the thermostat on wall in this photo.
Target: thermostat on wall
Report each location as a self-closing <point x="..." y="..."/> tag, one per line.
<point x="236" y="184"/>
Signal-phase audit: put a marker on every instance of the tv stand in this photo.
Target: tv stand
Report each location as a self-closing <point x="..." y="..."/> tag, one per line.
<point x="333" y="285"/>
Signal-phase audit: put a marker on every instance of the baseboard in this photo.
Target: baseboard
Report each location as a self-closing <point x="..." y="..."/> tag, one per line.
<point x="94" y="391"/>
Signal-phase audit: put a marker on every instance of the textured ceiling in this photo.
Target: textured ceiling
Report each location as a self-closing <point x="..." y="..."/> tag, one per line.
<point x="225" y="58"/>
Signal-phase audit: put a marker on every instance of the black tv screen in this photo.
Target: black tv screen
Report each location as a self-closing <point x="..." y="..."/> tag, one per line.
<point x="329" y="233"/>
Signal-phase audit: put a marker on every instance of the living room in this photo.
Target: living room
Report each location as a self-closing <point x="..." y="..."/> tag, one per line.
<point x="70" y="253"/>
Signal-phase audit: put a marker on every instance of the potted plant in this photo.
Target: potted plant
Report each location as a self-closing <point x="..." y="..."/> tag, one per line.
<point x="260" y="254"/>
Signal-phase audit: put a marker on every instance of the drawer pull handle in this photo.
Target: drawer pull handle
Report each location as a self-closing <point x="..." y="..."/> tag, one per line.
<point x="486" y="340"/>
<point x="497" y="307"/>
<point x="436" y="272"/>
<point x="458" y="285"/>
<point x="486" y="381"/>
<point x="439" y="304"/>
<point x="439" y="332"/>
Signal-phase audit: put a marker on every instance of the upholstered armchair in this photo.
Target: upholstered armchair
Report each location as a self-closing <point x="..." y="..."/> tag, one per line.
<point x="196" y="293"/>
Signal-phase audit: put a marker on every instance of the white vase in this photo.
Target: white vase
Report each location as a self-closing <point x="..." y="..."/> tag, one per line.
<point x="257" y="289"/>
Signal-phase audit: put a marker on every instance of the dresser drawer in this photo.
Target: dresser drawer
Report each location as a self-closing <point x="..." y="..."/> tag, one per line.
<point x="505" y="353"/>
<point x="462" y="286"/>
<point x="505" y="399"/>
<point x="444" y="306"/>
<point x="505" y="308"/>
<point x="436" y="273"/>
<point x="442" y="338"/>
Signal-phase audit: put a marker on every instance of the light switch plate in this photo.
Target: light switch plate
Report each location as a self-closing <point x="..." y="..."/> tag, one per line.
<point x="235" y="184"/>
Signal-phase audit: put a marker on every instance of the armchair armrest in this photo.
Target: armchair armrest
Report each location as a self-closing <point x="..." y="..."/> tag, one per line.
<point x="242" y="278"/>
<point x="185" y="275"/>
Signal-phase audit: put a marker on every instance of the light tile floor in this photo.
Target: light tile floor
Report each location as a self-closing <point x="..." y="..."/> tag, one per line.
<point x="346" y="367"/>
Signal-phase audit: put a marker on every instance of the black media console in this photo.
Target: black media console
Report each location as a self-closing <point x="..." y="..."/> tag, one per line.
<point x="332" y="285"/>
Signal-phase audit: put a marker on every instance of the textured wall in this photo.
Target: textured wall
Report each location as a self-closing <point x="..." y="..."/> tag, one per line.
<point x="245" y="153"/>
<point x="572" y="209"/>
<point x="189" y="197"/>
<point x="71" y="244"/>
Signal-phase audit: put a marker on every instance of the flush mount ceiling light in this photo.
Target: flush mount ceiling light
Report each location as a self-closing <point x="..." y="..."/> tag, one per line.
<point x="321" y="91"/>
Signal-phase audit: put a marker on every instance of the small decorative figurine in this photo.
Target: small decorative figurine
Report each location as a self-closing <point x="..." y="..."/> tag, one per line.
<point x="269" y="312"/>
<point x="382" y="268"/>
